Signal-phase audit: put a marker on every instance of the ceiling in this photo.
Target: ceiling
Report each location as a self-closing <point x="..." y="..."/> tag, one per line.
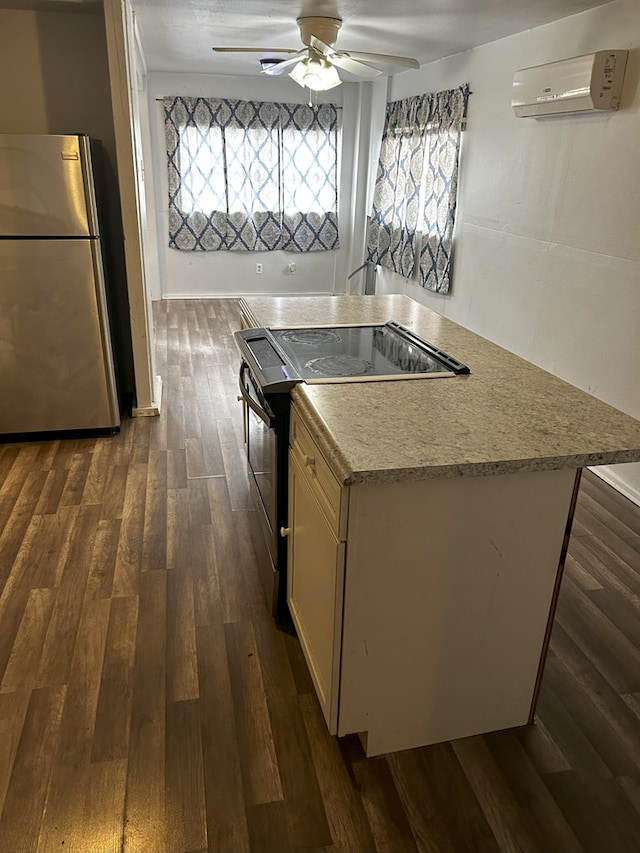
<point x="177" y="35"/>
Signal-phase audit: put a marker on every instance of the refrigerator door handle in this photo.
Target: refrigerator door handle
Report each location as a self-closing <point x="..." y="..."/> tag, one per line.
<point x="103" y="318"/>
<point x="84" y="144"/>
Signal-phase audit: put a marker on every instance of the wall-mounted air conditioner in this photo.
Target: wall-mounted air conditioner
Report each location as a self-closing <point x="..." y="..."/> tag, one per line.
<point x="581" y="84"/>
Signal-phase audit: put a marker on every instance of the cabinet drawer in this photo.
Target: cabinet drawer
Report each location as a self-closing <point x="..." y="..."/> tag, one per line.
<point x="325" y="486"/>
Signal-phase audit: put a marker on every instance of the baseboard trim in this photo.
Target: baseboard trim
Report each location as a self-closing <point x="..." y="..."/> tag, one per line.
<point x="615" y="480"/>
<point x="242" y="295"/>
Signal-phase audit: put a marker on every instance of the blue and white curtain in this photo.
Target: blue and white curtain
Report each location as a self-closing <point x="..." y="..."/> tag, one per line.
<point x="394" y="221"/>
<point x="416" y="187"/>
<point x="251" y="176"/>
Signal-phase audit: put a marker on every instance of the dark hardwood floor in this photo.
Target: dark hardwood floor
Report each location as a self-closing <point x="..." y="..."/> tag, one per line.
<point x="149" y="704"/>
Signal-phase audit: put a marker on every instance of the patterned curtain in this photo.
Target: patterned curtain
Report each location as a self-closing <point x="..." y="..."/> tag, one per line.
<point x="444" y="129"/>
<point x="416" y="186"/>
<point x="251" y="176"/>
<point x="394" y="220"/>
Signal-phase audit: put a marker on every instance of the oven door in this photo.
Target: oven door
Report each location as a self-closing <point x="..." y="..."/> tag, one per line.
<point x="262" y="456"/>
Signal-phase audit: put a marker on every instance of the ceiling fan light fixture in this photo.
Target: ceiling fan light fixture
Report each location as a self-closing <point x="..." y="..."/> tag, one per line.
<point x="316" y="74"/>
<point x="269" y="62"/>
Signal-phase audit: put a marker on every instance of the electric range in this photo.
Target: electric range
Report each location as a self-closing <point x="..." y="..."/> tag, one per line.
<point x="273" y="361"/>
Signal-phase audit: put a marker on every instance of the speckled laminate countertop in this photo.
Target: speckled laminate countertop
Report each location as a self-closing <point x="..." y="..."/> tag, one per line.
<point x="507" y="416"/>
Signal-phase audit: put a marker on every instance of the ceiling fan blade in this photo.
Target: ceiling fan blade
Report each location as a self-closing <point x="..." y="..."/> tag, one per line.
<point x="280" y="67"/>
<point x="342" y="60"/>
<point x="365" y="72"/>
<point x="255" y="49"/>
<point x="350" y="60"/>
<point x="386" y="58"/>
<point x="320" y="46"/>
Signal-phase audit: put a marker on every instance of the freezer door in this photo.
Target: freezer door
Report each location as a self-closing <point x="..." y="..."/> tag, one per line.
<point x="56" y="367"/>
<point x="46" y="187"/>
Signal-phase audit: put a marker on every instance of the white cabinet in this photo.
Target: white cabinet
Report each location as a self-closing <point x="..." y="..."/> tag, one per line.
<point x="423" y="607"/>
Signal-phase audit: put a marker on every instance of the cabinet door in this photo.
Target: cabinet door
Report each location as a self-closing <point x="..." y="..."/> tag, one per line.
<point x="315" y="588"/>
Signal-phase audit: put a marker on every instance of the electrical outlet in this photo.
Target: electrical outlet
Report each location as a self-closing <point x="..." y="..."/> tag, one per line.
<point x="258" y="269"/>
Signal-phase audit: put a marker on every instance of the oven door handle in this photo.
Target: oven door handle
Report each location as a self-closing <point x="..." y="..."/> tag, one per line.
<point x="246" y="398"/>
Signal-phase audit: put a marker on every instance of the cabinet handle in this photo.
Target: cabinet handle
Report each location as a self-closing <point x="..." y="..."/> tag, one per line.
<point x="285" y="531"/>
<point x="309" y="461"/>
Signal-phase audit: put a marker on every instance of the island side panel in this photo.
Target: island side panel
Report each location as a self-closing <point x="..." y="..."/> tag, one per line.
<point x="448" y="589"/>
<point x="556" y="592"/>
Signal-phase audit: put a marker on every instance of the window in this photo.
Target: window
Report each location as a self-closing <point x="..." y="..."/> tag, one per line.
<point x="414" y="205"/>
<point x="251" y="176"/>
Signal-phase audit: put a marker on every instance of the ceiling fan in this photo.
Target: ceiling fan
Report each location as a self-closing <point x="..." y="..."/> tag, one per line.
<point x="315" y="66"/>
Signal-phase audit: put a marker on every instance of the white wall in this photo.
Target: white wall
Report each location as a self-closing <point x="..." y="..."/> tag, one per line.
<point x="547" y="259"/>
<point x="193" y="274"/>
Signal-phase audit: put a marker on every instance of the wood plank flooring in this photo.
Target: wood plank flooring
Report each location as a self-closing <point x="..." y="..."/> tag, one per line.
<point x="149" y="704"/>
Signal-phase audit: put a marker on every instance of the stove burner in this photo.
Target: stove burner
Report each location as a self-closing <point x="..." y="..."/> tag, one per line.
<point x="338" y="365"/>
<point x="310" y="337"/>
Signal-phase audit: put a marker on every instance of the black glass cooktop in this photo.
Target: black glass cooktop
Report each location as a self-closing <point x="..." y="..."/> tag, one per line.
<point x="282" y="357"/>
<point x="354" y="351"/>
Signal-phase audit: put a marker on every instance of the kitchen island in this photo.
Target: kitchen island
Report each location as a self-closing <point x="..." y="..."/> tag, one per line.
<point x="428" y="523"/>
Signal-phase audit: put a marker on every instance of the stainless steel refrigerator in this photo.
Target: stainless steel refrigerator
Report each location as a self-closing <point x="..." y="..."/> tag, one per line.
<point x="56" y="360"/>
